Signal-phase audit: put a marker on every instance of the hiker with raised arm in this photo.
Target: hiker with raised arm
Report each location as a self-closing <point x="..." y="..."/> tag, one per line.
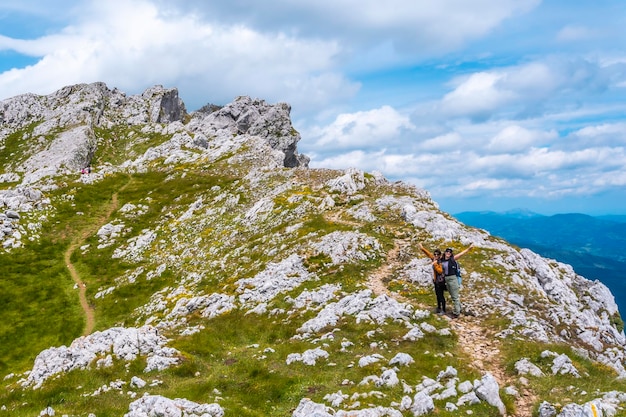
<point x="438" y="278"/>
<point x="450" y="268"/>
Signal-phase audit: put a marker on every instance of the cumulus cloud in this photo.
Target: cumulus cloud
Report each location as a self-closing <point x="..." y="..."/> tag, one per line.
<point x="605" y="134"/>
<point x="524" y="90"/>
<point x="284" y="51"/>
<point x="500" y="159"/>
<point x="441" y="143"/>
<point x="412" y="27"/>
<point x="366" y="161"/>
<point x="515" y="138"/>
<point x="133" y="45"/>
<point x="476" y="96"/>
<point x="364" y="129"/>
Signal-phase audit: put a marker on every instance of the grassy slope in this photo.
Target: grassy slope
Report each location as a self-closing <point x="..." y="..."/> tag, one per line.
<point x="228" y="359"/>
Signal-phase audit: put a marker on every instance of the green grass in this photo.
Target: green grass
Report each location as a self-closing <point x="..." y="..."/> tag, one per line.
<point x="71" y="393"/>
<point x="562" y="389"/>
<point x="228" y="358"/>
<point x="122" y="142"/>
<point x="39" y="306"/>
<point x="14" y="147"/>
<point x="229" y="355"/>
<point x="154" y="190"/>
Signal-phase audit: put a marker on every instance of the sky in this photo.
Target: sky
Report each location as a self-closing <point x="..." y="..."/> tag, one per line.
<point x="487" y="104"/>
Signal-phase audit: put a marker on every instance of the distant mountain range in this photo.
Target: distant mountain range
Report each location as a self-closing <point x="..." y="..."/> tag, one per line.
<point x="594" y="246"/>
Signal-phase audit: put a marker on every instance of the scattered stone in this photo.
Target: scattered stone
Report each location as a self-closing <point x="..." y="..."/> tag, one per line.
<point x="156" y="405"/>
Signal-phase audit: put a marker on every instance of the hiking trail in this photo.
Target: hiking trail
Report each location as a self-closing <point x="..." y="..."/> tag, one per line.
<point x="88" y="310"/>
<point x="475" y="340"/>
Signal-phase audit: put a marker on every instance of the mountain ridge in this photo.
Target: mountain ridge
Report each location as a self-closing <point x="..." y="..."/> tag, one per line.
<point x="231" y="279"/>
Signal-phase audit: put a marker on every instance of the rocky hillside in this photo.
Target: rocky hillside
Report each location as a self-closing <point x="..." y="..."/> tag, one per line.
<point x="160" y="263"/>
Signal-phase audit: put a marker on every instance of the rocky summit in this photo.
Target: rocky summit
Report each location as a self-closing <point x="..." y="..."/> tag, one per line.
<point x="157" y="262"/>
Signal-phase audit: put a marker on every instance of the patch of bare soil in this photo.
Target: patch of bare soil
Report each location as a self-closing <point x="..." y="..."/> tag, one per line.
<point x="379" y="278"/>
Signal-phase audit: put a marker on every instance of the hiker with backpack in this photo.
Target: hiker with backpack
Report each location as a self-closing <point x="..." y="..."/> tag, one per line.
<point x="450" y="269"/>
<point x="438" y="278"/>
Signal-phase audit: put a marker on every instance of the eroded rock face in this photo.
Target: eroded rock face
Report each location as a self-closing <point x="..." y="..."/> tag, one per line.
<point x="58" y="136"/>
<point x="257" y="118"/>
<point x="57" y="131"/>
<point x="92" y="104"/>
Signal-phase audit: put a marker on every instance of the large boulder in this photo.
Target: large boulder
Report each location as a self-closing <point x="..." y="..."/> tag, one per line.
<point x="256" y="118"/>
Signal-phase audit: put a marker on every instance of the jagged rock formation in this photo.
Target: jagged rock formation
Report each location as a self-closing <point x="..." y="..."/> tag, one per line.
<point x="324" y="262"/>
<point x="63" y="139"/>
<point x="255" y="118"/>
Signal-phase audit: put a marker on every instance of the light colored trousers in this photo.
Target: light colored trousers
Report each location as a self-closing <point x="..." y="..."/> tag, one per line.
<point x="453" y="288"/>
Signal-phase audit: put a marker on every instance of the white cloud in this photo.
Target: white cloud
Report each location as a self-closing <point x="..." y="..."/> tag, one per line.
<point x="412" y="26"/>
<point x="132" y="45"/>
<point x="551" y="85"/>
<point x="377" y="127"/>
<point x="605" y="134"/>
<point x="572" y="33"/>
<point x="516" y="138"/>
<point x="483" y="184"/>
<point x="500" y="159"/>
<point x="357" y="159"/>
<point x="476" y="96"/>
<point x="441" y="143"/>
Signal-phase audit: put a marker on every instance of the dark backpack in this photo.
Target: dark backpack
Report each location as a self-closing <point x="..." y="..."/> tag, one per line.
<point x="453" y="267"/>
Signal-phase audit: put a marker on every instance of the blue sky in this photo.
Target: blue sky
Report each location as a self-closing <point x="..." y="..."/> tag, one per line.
<point x="487" y="104"/>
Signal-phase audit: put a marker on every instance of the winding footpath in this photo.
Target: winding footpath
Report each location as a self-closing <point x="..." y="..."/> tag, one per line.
<point x="88" y="310"/>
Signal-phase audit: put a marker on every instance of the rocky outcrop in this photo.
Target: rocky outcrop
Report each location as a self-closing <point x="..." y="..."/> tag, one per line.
<point x="57" y="130"/>
<point x="12" y="203"/>
<point x="256" y="118"/>
<point x="58" y="137"/>
<point x="99" y="349"/>
<point x="156" y="405"/>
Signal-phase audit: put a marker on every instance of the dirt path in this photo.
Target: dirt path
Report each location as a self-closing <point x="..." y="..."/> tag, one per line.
<point x="90" y="319"/>
<point x="484" y="349"/>
<point x="378" y="280"/>
<point x="475" y="340"/>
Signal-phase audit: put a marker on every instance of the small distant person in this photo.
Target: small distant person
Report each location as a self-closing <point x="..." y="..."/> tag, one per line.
<point x="450" y="268"/>
<point x="88" y="169"/>
<point x="439" y="279"/>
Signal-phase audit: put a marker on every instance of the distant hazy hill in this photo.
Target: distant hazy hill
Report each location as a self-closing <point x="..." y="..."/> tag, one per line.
<point x="615" y="218"/>
<point x="594" y="246"/>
